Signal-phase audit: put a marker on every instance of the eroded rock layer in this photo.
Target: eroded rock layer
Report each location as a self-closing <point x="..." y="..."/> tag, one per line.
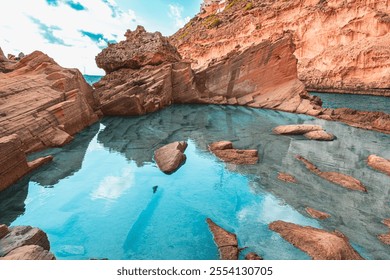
<point x="342" y="46"/>
<point x="263" y="76"/>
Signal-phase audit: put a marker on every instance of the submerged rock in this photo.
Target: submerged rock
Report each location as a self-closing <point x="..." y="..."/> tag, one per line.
<point x="170" y="157"/>
<point x="379" y="163"/>
<point x="317" y="243"/>
<point x="226" y="241"/>
<point x="317" y="214"/>
<point x="224" y="150"/>
<point x="385" y="238"/>
<point x="29" y="252"/>
<point x="311" y="132"/>
<point x="23" y="235"/>
<point x="253" y="256"/>
<point x="343" y="180"/>
<point x="287" y="178"/>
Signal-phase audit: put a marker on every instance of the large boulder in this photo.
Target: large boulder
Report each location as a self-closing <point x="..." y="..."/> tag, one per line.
<point x="226" y="241"/>
<point x="138" y="50"/>
<point x="317" y="243"/>
<point x="170" y="157"/>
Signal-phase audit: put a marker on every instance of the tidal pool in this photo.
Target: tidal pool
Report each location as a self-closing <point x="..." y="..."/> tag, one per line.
<point x="104" y="197"/>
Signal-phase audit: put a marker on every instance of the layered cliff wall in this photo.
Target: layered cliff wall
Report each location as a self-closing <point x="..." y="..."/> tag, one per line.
<point x="341" y="46"/>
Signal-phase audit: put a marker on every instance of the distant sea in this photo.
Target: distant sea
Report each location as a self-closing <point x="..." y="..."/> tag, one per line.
<point x="91" y="79"/>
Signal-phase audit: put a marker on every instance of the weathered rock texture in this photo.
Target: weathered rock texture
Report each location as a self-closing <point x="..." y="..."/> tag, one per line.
<point x="43" y="103"/>
<point x="317" y="243"/>
<point x="13" y="161"/>
<point x="224" y="150"/>
<point x="311" y="132"/>
<point x="5" y="63"/>
<point x="342" y="46"/>
<point x="170" y="157"/>
<point x="317" y="214"/>
<point x="20" y="236"/>
<point x="379" y="163"/>
<point x="343" y="180"/>
<point x="262" y="76"/>
<point x="29" y="252"/>
<point x="226" y="241"/>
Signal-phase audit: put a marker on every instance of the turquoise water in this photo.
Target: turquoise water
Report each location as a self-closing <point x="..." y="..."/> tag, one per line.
<point x="355" y="101"/>
<point x="96" y="199"/>
<point x="91" y="79"/>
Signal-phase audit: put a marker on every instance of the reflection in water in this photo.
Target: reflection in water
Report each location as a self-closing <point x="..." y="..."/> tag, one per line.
<point x="113" y="202"/>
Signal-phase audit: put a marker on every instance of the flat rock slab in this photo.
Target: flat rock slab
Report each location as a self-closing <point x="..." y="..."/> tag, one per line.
<point x="379" y="163"/>
<point x="317" y="243"/>
<point x="317" y="214"/>
<point x="224" y="150"/>
<point x="340" y="179"/>
<point x="170" y="157"/>
<point x="29" y="252"/>
<point x="296" y="129"/>
<point x="226" y="241"/>
<point x="23" y="235"/>
<point x="287" y="178"/>
<point x="319" y="135"/>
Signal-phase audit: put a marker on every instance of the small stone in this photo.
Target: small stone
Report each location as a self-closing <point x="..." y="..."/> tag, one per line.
<point x="170" y="157"/>
<point x="253" y="256"/>
<point x="317" y="214"/>
<point x="379" y="163"/>
<point x="287" y="178"/>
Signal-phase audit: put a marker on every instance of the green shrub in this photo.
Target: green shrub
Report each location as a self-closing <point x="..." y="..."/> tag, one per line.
<point x="215" y="23"/>
<point x="249" y="6"/>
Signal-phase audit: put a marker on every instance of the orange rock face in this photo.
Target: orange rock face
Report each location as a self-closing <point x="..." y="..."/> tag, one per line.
<point x="287" y="178"/>
<point x="317" y="243"/>
<point x="226" y="241"/>
<point x="170" y="157"/>
<point x="317" y="214"/>
<point x="341" y="46"/>
<point x="379" y="163"/>
<point x="224" y="150"/>
<point x="29" y="252"/>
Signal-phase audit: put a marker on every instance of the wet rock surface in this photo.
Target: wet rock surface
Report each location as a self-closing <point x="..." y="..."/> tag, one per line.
<point x="385" y="238"/>
<point x="253" y="256"/>
<point x="170" y="157"/>
<point x="379" y="163"/>
<point x="317" y="243"/>
<point x="319" y="135"/>
<point x="311" y="132"/>
<point x="343" y="180"/>
<point x="29" y="252"/>
<point x="317" y="214"/>
<point x="225" y="151"/>
<point x="226" y="241"/>
<point x="21" y="236"/>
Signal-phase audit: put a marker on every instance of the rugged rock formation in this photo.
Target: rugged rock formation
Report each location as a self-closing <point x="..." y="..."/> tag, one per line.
<point x="342" y="46"/>
<point x="13" y="161"/>
<point x="60" y="103"/>
<point x="253" y="256"/>
<point x="170" y="157"/>
<point x="138" y="50"/>
<point x="343" y="180"/>
<point x="380" y="164"/>
<point x="287" y="178"/>
<point x="317" y="243"/>
<point x="226" y="241"/>
<point x="263" y="76"/>
<point x="317" y="214"/>
<point x="29" y="252"/>
<point x="385" y="238"/>
<point x="312" y="132"/>
<point x="5" y="64"/>
<point x="224" y="150"/>
<point x="21" y="236"/>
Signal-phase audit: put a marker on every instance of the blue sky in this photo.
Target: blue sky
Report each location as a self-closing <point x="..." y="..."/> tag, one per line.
<point x="73" y="32"/>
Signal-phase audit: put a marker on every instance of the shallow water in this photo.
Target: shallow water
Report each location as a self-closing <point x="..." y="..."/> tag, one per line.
<point x="355" y="101"/>
<point x="96" y="199"/>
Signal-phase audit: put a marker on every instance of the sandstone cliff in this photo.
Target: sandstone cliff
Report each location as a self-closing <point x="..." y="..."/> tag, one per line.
<point x="262" y="76"/>
<point x="341" y="46"/>
<point x="41" y="105"/>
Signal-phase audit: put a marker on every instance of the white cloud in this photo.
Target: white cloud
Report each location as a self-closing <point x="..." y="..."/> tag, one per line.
<point x="113" y="187"/>
<point x="19" y="33"/>
<point x="176" y="13"/>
